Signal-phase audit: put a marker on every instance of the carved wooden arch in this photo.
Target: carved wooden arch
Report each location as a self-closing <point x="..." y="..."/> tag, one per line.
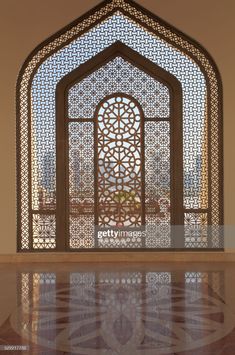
<point x="173" y="37"/>
<point x="121" y="50"/>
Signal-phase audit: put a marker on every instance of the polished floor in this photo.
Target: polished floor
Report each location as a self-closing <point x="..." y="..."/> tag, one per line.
<point x="117" y="309"/>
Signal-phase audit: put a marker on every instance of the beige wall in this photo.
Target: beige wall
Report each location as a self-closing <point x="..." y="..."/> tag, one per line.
<point x="26" y="23"/>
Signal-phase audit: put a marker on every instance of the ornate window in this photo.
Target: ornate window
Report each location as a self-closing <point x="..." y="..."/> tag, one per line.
<point x="119" y="128"/>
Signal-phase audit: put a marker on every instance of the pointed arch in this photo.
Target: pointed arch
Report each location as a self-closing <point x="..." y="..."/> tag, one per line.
<point x="55" y="58"/>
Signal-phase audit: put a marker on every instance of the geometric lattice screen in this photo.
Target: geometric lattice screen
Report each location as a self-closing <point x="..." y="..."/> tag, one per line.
<point x="119" y="133"/>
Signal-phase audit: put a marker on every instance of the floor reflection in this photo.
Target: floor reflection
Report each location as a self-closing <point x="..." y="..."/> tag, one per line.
<point x="121" y="312"/>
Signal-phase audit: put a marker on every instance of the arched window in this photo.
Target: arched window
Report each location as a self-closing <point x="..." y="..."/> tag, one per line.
<point x="119" y="137"/>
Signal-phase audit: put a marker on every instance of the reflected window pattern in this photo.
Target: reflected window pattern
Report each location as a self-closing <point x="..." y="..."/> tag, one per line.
<point x="25" y="297"/>
<point x="213" y="280"/>
<point x="120" y="278"/>
<point x="37" y="294"/>
<point x="196" y="277"/>
<point x="139" y="311"/>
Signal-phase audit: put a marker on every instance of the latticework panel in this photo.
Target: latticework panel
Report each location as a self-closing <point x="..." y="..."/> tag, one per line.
<point x="119" y="163"/>
<point x="196" y="230"/>
<point x="44" y="231"/>
<point x="196" y="173"/>
<point x="157" y="166"/>
<point x="158" y="232"/>
<point x="81" y="231"/>
<point x="43" y="163"/>
<point x="160" y="44"/>
<point x="118" y="75"/>
<point x="81" y="184"/>
<point x="157" y="184"/>
<point x="119" y="183"/>
<point x="81" y="167"/>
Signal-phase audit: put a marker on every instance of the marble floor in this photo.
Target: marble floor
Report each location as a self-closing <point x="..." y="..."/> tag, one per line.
<point x="117" y="309"/>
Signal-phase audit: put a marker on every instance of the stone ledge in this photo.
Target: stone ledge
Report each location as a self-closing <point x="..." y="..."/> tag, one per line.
<point x="112" y="256"/>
